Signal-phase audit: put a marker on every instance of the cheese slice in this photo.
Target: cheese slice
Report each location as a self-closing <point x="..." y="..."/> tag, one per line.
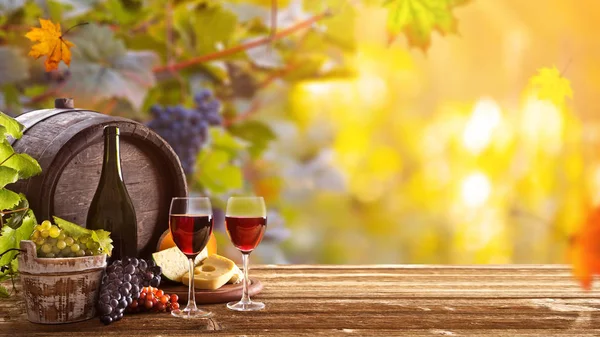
<point x="212" y="273"/>
<point x="237" y="277"/>
<point x="174" y="263"/>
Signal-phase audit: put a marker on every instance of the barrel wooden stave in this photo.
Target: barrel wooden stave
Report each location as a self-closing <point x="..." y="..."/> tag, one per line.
<point x="69" y="148"/>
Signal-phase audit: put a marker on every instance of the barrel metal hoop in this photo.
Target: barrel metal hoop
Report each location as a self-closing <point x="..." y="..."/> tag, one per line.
<point x="31" y="118"/>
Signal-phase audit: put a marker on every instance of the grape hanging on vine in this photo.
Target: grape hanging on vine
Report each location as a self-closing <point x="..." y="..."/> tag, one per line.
<point x="186" y="130"/>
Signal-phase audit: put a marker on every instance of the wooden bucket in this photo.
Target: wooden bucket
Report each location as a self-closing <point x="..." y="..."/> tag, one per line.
<point x="68" y="144"/>
<point x="59" y="290"/>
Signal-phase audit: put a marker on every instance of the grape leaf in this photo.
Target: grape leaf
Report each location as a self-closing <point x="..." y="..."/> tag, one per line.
<point x="24" y="164"/>
<point x="191" y="20"/>
<point x="11" y="127"/>
<point x="70" y="228"/>
<point x="258" y="134"/>
<point x="103" y="68"/>
<point x="8" y="199"/>
<point x="583" y="251"/>
<point x="8" y="176"/>
<point x="11" y="238"/>
<point x="550" y="85"/>
<point x="13" y="66"/>
<point x="223" y="140"/>
<point x="216" y="172"/>
<point x="16" y="219"/>
<point x="3" y="292"/>
<point x="264" y="56"/>
<point x="418" y="19"/>
<point x="50" y="43"/>
<point x="102" y="237"/>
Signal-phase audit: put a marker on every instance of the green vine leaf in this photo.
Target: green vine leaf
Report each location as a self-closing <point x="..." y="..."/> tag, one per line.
<point x="16" y="219"/>
<point x="74" y="230"/>
<point x="223" y="140"/>
<point x="8" y="199"/>
<point x="8" y="176"/>
<point x="191" y="21"/>
<point x="418" y="19"/>
<point x="23" y="163"/>
<point x="11" y="127"/>
<point x="256" y="133"/>
<point x="217" y="173"/>
<point x="102" y="68"/>
<point x="100" y="236"/>
<point x="11" y="238"/>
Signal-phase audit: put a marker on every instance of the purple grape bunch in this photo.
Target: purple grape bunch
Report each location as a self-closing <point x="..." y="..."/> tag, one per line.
<point x="186" y="130"/>
<point x="122" y="283"/>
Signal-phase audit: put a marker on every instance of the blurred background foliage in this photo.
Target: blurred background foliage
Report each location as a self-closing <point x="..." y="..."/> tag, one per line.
<point x="367" y="150"/>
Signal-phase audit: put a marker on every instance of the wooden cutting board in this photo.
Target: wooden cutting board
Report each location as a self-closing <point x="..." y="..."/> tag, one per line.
<point x="227" y="293"/>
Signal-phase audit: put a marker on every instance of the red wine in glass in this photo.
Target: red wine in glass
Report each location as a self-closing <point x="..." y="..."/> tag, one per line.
<point x="245" y="232"/>
<point x="191" y="232"/>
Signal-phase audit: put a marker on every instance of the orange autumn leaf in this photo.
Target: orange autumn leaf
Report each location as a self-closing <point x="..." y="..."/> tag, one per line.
<point x="584" y="251"/>
<point x="50" y="44"/>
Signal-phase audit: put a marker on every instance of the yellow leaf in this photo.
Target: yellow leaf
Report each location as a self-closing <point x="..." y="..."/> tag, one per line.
<point x="417" y="19"/>
<point x="550" y="85"/>
<point x="50" y="43"/>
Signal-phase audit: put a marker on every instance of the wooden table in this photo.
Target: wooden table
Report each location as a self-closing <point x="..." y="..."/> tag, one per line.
<point x="374" y="300"/>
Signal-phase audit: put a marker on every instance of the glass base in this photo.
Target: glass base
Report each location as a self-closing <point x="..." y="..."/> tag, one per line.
<point x="245" y="306"/>
<point x="186" y="313"/>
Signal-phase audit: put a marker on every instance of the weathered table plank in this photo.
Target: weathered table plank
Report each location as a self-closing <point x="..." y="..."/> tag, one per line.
<point x="376" y="300"/>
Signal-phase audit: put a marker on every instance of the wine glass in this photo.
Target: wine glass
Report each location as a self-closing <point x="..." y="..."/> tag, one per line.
<point x="246" y="221"/>
<point x="191" y="223"/>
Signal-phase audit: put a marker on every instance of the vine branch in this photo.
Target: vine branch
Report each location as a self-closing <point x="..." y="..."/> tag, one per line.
<point x="273" y="19"/>
<point x="3" y="213"/>
<point x="243" y="116"/>
<point x="10" y="250"/>
<point x="245" y="46"/>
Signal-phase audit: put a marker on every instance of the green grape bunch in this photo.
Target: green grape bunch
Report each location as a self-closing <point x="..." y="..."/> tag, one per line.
<point x="51" y="241"/>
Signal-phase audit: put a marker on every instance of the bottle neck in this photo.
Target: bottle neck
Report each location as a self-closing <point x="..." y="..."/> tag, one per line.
<point x="111" y="168"/>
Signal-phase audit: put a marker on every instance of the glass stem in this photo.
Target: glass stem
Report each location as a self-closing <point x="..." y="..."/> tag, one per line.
<point x="191" y="306"/>
<point x="246" y="281"/>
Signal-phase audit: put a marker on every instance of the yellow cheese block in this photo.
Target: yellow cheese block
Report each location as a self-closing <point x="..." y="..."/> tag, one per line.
<point x="237" y="276"/>
<point x="212" y="273"/>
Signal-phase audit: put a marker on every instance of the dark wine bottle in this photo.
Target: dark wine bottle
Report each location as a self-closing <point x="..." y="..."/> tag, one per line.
<point x="111" y="208"/>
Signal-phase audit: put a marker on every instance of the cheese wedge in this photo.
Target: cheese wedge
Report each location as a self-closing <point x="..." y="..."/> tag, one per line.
<point x="174" y="263"/>
<point x="212" y="273"/>
<point x="237" y="277"/>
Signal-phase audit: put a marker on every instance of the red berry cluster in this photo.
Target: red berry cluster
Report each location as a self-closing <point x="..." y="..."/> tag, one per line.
<point x="155" y="300"/>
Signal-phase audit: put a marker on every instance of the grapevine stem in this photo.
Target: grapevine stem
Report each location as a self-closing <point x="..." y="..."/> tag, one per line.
<point x="562" y="73"/>
<point x="15" y="210"/>
<point x="6" y="251"/>
<point x="245" y="46"/>
<point x="110" y="106"/>
<point x="77" y="25"/>
<point x="273" y="19"/>
<point x="251" y="111"/>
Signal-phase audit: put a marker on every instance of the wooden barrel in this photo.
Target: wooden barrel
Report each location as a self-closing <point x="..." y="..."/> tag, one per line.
<point x="68" y="144"/>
